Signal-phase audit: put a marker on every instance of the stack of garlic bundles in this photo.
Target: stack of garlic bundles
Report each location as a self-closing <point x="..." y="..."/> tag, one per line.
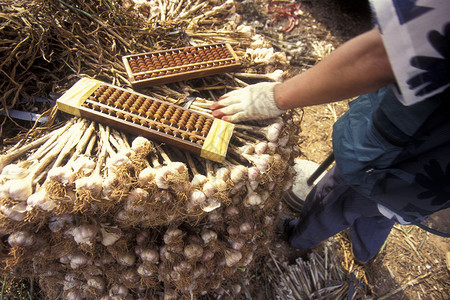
<point x="92" y="216"/>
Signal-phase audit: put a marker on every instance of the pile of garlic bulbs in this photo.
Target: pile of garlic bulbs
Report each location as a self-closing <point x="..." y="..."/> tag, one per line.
<point x="94" y="214"/>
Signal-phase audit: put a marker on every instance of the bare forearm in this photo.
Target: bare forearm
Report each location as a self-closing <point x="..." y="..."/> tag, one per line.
<point x="359" y="66"/>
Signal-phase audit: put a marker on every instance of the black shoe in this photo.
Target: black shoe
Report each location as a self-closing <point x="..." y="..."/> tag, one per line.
<point x="283" y="225"/>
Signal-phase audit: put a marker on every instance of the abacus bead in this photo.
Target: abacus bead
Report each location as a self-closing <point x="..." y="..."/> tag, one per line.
<point x="189" y="126"/>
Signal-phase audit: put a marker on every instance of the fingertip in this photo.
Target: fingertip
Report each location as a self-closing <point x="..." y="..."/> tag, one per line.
<point x="218" y="114"/>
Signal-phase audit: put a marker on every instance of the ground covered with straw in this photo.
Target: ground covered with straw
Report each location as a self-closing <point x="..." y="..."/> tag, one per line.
<point x="48" y="45"/>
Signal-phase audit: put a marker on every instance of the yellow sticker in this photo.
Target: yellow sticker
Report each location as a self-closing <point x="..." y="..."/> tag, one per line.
<point x="76" y="95"/>
<point x="216" y="143"/>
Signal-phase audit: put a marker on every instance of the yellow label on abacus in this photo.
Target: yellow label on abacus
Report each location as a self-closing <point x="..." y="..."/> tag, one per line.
<point x="216" y="143"/>
<point x="76" y="95"/>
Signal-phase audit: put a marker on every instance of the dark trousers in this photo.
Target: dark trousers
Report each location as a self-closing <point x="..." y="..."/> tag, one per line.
<point x="333" y="206"/>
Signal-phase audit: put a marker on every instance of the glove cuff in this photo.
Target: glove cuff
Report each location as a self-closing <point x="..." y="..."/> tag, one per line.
<point x="271" y="100"/>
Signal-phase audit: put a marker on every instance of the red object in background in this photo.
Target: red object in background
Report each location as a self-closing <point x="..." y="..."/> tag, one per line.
<point x="284" y="9"/>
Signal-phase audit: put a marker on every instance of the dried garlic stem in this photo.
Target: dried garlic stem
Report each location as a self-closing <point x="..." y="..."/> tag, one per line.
<point x="52" y="142"/>
<point x="191" y="164"/>
<point x="42" y="142"/>
<point x="21" y="189"/>
<point x="104" y="134"/>
<point x="83" y="142"/>
<point x="237" y="80"/>
<point x="90" y="146"/>
<point x="7" y="158"/>
<point x="71" y="142"/>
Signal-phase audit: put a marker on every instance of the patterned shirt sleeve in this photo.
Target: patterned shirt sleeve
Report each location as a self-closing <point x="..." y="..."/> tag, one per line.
<point x="416" y="35"/>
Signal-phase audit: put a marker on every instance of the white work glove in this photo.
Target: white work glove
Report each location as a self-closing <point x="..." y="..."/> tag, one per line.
<point x="254" y="102"/>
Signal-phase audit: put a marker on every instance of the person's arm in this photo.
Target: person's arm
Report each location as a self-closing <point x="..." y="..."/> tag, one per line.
<point x="357" y="67"/>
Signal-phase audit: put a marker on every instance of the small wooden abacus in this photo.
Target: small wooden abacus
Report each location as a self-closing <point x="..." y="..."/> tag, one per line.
<point x="161" y="67"/>
<point x="143" y="115"/>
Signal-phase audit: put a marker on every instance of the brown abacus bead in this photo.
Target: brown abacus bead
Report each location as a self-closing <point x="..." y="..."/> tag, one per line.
<point x="199" y="142"/>
<point x="185" y="115"/>
<point x="151" y="124"/>
<point x="181" y="124"/>
<point x="146" y="104"/>
<point x="192" y="119"/>
<point x="160" y="112"/>
<point x="193" y="138"/>
<point x="127" y="105"/>
<point x="176" y="133"/>
<point x="103" y="109"/>
<point x="102" y="99"/>
<point x="143" y="122"/>
<point x="98" y="93"/>
<point x="119" y="115"/>
<point x="128" y="117"/>
<point x="95" y="107"/>
<point x="152" y="110"/>
<point x="148" y="63"/>
<point x="168" y="130"/>
<point x="160" y="127"/>
<point x="176" y="116"/>
<point x="208" y="122"/>
<point x="169" y="112"/>
<point x="190" y="126"/>
<point x="111" y="112"/>
<point x="184" y="135"/>
<point x="139" y="77"/>
<point x="133" y="110"/>
<point x="135" y="120"/>
<point x="204" y="132"/>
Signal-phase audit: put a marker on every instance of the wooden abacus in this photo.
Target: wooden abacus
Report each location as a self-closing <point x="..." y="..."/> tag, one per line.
<point x="143" y="115"/>
<point x="161" y="67"/>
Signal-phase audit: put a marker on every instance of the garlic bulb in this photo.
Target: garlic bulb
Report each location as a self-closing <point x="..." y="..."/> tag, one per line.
<point x="141" y="146"/>
<point x="41" y="200"/>
<point x="17" y="189"/>
<point x="84" y="234"/>
<point x="232" y="257"/>
<point x="16" y="212"/>
<point x="193" y="251"/>
<point x="64" y="175"/>
<point x="146" y="176"/>
<point x="21" y="239"/>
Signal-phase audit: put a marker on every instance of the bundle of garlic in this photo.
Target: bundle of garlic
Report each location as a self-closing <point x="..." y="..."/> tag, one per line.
<point x="97" y="217"/>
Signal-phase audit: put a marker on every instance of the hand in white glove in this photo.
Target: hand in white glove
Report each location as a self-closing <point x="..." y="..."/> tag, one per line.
<point x="254" y="102"/>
